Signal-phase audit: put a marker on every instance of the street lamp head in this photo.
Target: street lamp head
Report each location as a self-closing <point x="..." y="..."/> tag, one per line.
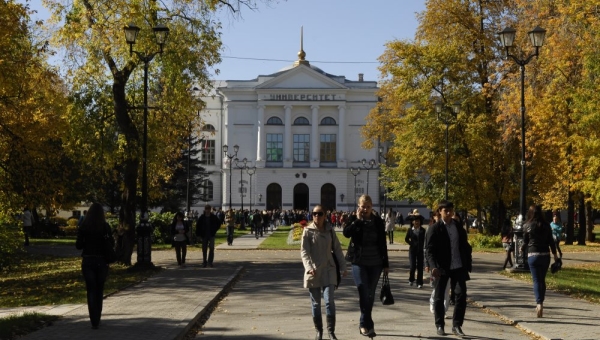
<point x="342" y="197"/>
<point x="161" y="33"/>
<point x="439" y="105"/>
<point x="131" y="32"/>
<point x="245" y="160"/>
<point x="364" y="161"/>
<point x="259" y="197"/>
<point x="372" y="162"/>
<point x="507" y="36"/>
<point x="456" y="107"/>
<point x="236" y="148"/>
<point x="225" y="148"/>
<point x="536" y="36"/>
<point x="381" y="150"/>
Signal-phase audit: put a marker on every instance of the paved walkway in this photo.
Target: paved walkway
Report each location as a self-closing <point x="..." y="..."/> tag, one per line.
<point x="168" y="304"/>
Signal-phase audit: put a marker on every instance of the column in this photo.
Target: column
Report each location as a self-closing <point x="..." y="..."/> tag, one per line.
<point x="314" y="137"/>
<point x="260" y="135"/>
<point x="288" y="138"/>
<point x="341" y="137"/>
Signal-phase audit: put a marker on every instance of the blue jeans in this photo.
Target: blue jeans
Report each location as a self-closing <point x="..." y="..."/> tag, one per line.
<point x="94" y="270"/>
<point x="538" y="265"/>
<point x="328" y="296"/>
<point x="366" y="279"/>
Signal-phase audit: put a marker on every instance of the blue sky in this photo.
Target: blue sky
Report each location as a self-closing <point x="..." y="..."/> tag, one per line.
<point x="335" y="31"/>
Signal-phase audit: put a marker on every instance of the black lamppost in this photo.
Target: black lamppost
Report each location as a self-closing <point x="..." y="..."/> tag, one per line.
<point x="507" y="37"/>
<point x="251" y="171"/>
<point x="371" y="164"/>
<point x="230" y="157"/>
<point x="144" y="229"/>
<point x="385" y="160"/>
<point x="447" y="115"/>
<point x="242" y="168"/>
<point x="355" y="172"/>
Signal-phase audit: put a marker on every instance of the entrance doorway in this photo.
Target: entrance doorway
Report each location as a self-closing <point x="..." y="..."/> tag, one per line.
<point x="328" y="196"/>
<point x="273" y="196"/>
<point x="301" y="196"/>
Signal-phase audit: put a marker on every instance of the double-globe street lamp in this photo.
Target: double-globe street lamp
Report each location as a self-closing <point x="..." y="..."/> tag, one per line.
<point x="355" y="172"/>
<point x="507" y="37"/>
<point x="385" y="160"/>
<point x="251" y="171"/>
<point x="368" y="166"/>
<point x="447" y="115"/>
<point x="243" y="167"/>
<point x="230" y="157"/>
<point x="144" y="230"/>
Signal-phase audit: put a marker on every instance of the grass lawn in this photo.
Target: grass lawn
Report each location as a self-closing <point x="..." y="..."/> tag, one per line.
<point x="580" y="281"/>
<point x="48" y="280"/>
<point x="16" y="326"/>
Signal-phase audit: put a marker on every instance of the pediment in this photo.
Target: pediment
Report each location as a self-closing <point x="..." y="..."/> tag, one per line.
<point x="301" y="77"/>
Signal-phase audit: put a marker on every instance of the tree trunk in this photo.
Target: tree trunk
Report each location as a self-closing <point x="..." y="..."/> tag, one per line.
<point x="581" y="220"/>
<point x="130" y="172"/>
<point x="589" y="214"/>
<point x="570" y="228"/>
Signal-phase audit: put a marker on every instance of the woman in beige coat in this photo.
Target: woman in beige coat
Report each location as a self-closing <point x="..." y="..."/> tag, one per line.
<point x="318" y="242"/>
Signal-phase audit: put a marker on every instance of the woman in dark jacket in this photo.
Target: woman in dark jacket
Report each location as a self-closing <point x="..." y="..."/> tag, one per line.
<point x="369" y="257"/>
<point x="92" y="237"/>
<point x="415" y="237"/>
<point x="538" y="239"/>
<point x="179" y="230"/>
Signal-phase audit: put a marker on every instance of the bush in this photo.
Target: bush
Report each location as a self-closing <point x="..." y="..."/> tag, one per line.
<point x="485" y="241"/>
<point x="11" y="239"/>
<point x="161" y="222"/>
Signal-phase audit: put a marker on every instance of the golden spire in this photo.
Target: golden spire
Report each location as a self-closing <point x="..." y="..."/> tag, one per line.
<point x="301" y="53"/>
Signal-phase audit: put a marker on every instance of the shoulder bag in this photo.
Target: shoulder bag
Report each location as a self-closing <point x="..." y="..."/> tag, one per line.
<point x="386" y="292"/>
<point x="335" y="260"/>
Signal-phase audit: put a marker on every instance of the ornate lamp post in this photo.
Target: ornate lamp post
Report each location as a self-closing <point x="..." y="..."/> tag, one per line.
<point x="230" y="157"/>
<point x="371" y="164"/>
<point x="242" y="168"/>
<point x="144" y="229"/>
<point x="355" y="172"/>
<point x="447" y="115"/>
<point x="507" y="37"/>
<point x="385" y="160"/>
<point x="251" y="171"/>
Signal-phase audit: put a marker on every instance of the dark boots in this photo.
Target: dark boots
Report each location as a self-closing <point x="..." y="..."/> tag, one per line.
<point x="331" y="327"/>
<point x="319" y="327"/>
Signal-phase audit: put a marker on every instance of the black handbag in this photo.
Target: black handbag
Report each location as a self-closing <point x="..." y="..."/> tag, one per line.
<point x="337" y="263"/>
<point x="350" y="253"/>
<point x="386" y="292"/>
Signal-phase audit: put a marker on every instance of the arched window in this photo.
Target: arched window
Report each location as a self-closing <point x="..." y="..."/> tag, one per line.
<point x="208" y="127"/>
<point x="274" y="121"/>
<point x="301" y="121"/>
<point x="328" y="121"/>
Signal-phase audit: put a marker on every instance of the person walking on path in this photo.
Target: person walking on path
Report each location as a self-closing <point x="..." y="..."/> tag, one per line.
<point x="556" y="233"/>
<point x="537" y="237"/>
<point x="92" y="237"/>
<point x="206" y="228"/>
<point x="449" y="255"/>
<point x="369" y="257"/>
<point x="507" y="243"/>
<point x="319" y="245"/>
<point x="229" y="221"/>
<point x="390" y="223"/>
<point x="415" y="237"/>
<point x="27" y="219"/>
<point x="179" y="231"/>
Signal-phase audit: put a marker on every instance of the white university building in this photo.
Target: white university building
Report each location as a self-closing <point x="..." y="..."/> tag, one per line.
<point x="301" y="128"/>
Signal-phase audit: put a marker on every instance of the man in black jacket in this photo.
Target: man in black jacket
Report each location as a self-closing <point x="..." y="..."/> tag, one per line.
<point x="206" y="228"/>
<point x="449" y="256"/>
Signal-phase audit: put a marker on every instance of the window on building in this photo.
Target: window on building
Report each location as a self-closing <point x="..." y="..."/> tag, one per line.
<point x="301" y="121"/>
<point x="208" y="127"/>
<point x="328" y="121"/>
<point x="301" y="148"/>
<point x="274" y="147"/>
<point x="206" y="190"/>
<point x="328" y="148"/>
<point x="207" y="153"/>
<point x="274" y="121"/>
